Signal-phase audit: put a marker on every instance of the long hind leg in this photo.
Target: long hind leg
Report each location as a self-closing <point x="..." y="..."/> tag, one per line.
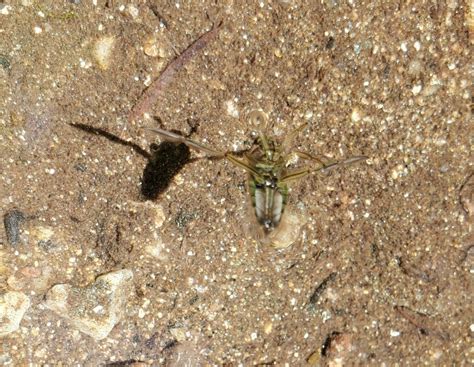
<point x="323" y="165"/>
<point x="175" y="138"/>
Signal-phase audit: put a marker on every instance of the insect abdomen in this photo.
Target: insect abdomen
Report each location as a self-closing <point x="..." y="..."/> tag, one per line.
<point x="269" y="203"/>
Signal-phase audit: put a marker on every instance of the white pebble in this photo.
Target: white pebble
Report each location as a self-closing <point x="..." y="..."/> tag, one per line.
<point x="98" y="309"/>
<point x="85" y="64"/>
<point x="133" y="10"/>
<point x="403" y="47"/>
<point x="416" y="89"/>
<point x="103" y="51"/>
<point x="37" y="30"/>
<point x="231" y="108"/>
<point x="394" y="333"/>
<point x="356" y="115"/>
<point x="5" y="9"/>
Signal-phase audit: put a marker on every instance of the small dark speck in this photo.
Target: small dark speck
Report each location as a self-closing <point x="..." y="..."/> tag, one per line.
<point x="129" y="362"/>
<point x="12" y="221"/>
<point x="46" y="245"/>
<point x="183" y="218"/>
<point x="330" y="43"/>
<point x="80" y="167"/>
<point x="170" y="344"/>
<point x="81" y="198"/>
<point x="4" y="62"/>
<point x="194" y="299"/>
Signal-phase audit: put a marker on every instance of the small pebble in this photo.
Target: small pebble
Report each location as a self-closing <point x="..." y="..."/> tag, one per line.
<point x="287" y="232"/>
<point x="338" y="345"/>
<point x="415" y="68"/>
<point x="231" y="108"/>
<point x="356" y="115"/>
<point x="30" y="279"/>
<point x="394" y="333"/>
<point x="103" y="51"/>
<point x="268" y="327"/>
<point x="416" y="89"/>
<point x="133" y="11"/>
<point x="5" y="9"/>
<point x="13" y="306"/>
<point x="154" y="48"/>
<point x="179" y="333"/>
<point x="96" y="309"/>
<point x="12" y="221"/>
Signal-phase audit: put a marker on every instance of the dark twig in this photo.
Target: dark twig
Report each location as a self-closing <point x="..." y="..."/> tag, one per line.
<point x="320" y="289"/>
<point x="422" y="322"/>
<point x="158" y="86"/>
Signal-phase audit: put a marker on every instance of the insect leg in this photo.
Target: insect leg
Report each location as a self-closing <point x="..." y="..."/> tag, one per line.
<point x="326" y="163"/>
<point x="242" y="164"/>
<point x="323" y="166"/>
<point x="296" y="174"/>
<point x="319" y="159"/>
<point x="175" y="138"/>
<point x="344" y="162"/>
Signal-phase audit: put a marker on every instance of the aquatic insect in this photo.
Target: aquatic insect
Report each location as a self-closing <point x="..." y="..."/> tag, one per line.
<point x="267" y="165"/>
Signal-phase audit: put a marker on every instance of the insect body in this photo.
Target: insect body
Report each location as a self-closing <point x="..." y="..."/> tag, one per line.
<point x="267" y="166"/>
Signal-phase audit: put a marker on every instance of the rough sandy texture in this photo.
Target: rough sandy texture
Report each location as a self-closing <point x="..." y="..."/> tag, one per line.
<point x="381" y="271"/>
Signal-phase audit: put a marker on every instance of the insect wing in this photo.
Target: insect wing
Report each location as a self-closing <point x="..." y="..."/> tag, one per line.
<point x="269" y="203"/>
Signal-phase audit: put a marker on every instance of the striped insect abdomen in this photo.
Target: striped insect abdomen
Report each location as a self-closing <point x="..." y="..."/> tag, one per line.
<point x="269" y="201"/>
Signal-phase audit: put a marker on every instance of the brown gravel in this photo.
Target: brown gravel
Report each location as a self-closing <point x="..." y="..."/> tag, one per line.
<point x="390" y="238"/>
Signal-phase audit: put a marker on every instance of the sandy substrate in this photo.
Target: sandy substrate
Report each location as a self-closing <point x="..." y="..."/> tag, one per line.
<point x="121" y="250"/>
